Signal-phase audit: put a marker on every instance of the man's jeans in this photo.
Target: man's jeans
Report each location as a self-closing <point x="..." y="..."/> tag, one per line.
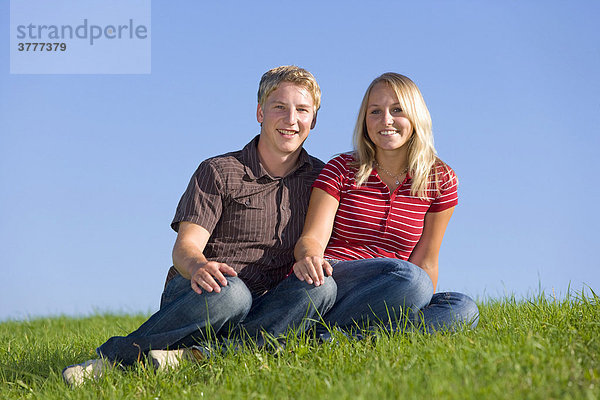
<point x="396" y="294"/>
<point x="186" y="317"/>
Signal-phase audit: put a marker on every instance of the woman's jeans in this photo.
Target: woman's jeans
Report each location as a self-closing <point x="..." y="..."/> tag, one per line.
<point x="396" y="294"/>
<point x="186" y="317"/>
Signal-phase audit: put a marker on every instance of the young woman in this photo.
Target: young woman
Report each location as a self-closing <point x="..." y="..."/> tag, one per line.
<point x="377" y="217"/>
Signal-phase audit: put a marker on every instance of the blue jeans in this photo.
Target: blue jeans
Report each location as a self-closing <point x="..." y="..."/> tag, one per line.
<point x="186" y="317"/>
<point x="397" y="294"/>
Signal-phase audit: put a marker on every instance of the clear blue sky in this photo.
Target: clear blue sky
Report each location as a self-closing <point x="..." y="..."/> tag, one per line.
<point x="92" y="166"/>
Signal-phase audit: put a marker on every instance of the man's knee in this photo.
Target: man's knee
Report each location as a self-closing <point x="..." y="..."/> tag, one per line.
<point x="230" y="305"/>
<point x="234" y="299"/>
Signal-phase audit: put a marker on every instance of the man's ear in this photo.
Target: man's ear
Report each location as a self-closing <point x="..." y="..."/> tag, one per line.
<point x="314" y="122"/>
<point x="259" y="114"/>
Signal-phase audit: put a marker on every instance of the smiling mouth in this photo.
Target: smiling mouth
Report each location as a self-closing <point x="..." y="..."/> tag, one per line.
<point x="286" y="132"/>
<point x="389" y="132"/>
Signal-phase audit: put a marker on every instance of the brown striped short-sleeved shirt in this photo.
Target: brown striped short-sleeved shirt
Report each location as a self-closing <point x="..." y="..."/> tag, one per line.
<point x="254" y="219"/>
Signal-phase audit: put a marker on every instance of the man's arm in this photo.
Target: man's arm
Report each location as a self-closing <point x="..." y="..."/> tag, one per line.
<point x="189" y="260"/>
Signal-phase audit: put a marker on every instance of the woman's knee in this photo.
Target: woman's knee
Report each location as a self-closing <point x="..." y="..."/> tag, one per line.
<point x="415" y="281"/>
<point x="462" y="310"/>
<point x="467" y="309"/>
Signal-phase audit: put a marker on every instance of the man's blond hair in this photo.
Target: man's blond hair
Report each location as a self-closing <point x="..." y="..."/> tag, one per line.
<point x="289" y="73"/>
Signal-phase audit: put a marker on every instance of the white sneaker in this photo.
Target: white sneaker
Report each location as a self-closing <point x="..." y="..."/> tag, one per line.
<point x="164" y="359"/>
<point x="76" y="374"/>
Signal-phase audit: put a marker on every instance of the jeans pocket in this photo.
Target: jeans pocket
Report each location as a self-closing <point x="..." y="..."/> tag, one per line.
<point x="174" y="289"/>
<point x="332" y="262"/>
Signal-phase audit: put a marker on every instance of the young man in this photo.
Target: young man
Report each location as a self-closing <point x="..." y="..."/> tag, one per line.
<point x="237" y="224"/>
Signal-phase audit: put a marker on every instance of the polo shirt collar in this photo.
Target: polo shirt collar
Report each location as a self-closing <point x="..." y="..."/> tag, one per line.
<point x="255" y="170"/>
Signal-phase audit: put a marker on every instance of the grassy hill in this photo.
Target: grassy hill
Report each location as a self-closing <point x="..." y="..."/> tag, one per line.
<point x="539" y="348"/>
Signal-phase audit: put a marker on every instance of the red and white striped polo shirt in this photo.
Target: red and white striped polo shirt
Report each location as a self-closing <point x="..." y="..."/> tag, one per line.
<point x="371" y="222"/>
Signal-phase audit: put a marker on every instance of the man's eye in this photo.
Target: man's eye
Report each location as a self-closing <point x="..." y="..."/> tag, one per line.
<point x="279" y="107"/>
<point x="303" y="109"/>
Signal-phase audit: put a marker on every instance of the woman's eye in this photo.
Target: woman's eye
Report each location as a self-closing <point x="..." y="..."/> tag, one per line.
<point x="375" y="112"/>
<point x="397" y="110"/>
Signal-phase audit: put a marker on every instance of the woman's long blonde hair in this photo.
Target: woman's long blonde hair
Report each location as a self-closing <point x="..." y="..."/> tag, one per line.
<point x="421" y="151"/>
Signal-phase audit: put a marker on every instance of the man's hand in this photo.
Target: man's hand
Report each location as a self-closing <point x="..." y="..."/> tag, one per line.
<point x="191" y="263"/>
<point x="310" y="269"/>
<point x="209" y="276"/>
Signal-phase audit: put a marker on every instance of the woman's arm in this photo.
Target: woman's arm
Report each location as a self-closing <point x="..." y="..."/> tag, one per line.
<point x="317" y="230"/>
<point x="426" y="252"/>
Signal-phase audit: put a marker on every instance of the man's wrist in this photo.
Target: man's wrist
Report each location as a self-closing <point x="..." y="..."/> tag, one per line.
<point x="193" y="267"/>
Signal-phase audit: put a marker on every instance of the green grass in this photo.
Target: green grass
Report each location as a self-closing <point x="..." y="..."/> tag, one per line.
<point x="539" y="348"/>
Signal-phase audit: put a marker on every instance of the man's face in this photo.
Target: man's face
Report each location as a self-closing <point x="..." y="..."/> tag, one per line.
<point x="287" y="117"/>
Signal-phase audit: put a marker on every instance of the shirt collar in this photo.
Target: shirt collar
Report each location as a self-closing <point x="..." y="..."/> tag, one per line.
<point x="254" y="168"/>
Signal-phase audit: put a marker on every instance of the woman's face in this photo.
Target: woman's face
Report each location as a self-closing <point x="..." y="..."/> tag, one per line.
<point x="387" y="125"/>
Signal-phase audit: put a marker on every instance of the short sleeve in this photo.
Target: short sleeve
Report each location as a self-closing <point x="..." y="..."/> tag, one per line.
<point x="448" y="189"/>
<point x="201" y="203"/>
<point x="331" y="178"/>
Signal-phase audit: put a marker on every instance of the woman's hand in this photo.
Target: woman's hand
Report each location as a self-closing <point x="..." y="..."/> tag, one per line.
<point x="315" y="235"/>
<point x="312" y="270"/>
